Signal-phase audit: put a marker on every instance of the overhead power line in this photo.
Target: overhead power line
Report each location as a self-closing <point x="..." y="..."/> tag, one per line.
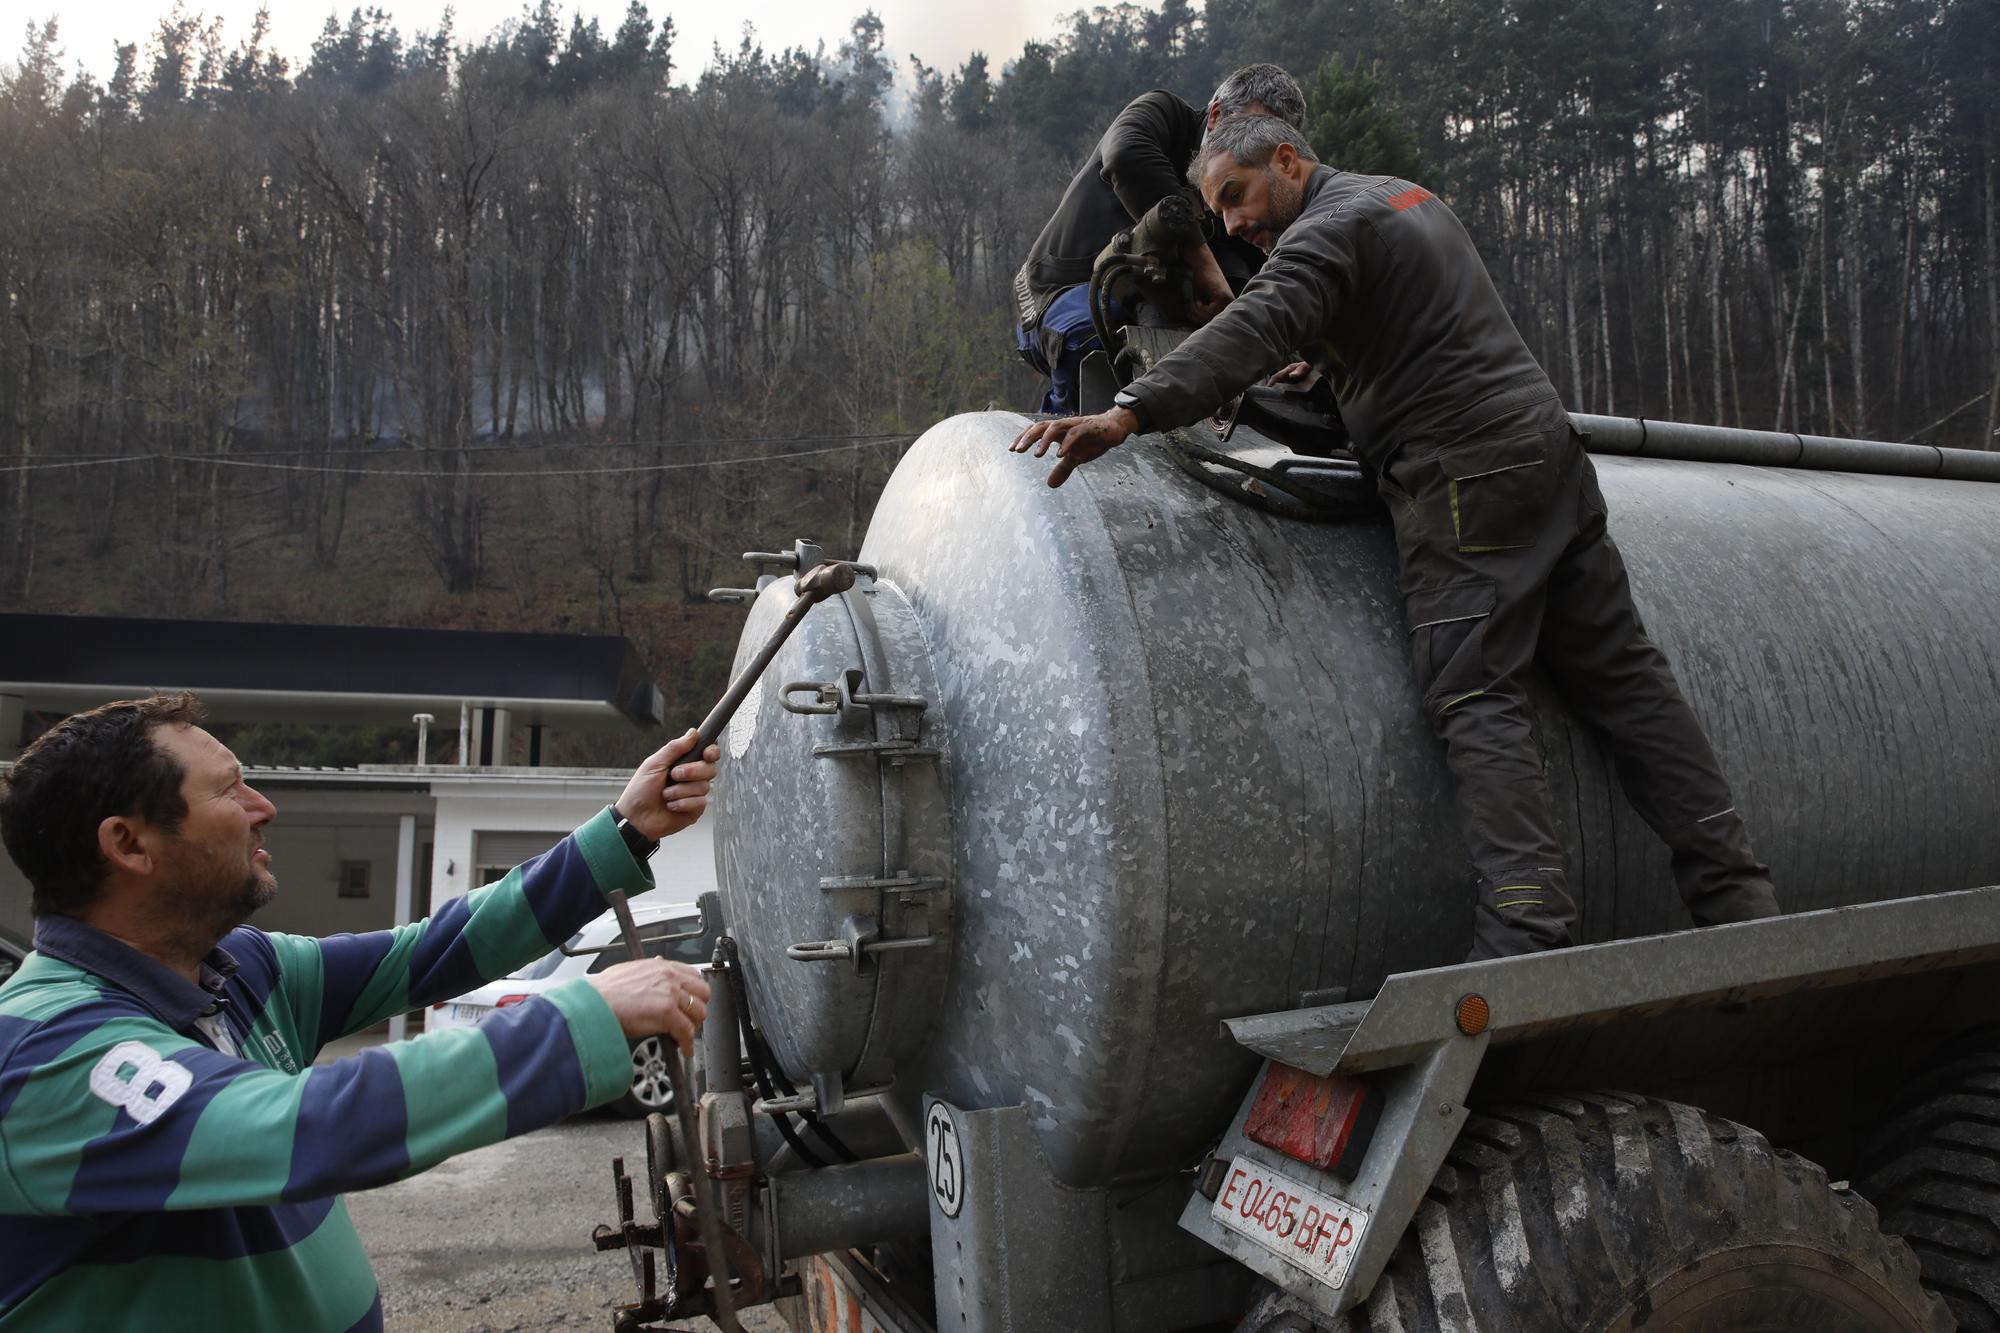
<point x="358" y="467"/>
<point x="487" y="447"/>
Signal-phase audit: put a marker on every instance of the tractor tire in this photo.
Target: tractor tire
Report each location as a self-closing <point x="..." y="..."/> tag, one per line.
<point x="1933" y="1173"/>
<point x="1604" y="1213"/>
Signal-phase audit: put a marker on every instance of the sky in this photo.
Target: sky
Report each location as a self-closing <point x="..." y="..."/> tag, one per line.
<point x="942" y="34"/>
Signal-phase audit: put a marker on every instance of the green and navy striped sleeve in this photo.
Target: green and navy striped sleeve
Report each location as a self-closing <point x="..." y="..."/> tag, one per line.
<point x="345" y="983"/>
<point x="138" y="1159"/>
<point x="128" y="1152"/>
<point x="109" y="1110"/>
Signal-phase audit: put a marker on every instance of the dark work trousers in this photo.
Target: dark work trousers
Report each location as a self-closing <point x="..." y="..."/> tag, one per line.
<point x="1506" y="566"/>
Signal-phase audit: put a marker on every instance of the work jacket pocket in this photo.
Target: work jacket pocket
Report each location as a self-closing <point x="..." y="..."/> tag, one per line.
<point x="1499" y="491"/>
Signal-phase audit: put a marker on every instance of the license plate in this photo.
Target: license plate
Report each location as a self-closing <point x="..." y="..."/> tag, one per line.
<point x="1311" y="1231"/>
<point x="470" y="1013"/>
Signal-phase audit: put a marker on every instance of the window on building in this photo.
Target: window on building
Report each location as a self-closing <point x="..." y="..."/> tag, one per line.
<point x="496" y="853"/>
<point x="354" y="879"/>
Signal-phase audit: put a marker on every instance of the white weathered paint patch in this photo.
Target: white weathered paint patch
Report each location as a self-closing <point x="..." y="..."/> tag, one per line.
<point x="1021" y="951"/>
<point x="1628" y="1150"/>
<point x="1441" y="1266"/>
<point x="1075" y="1045"/>
<point x="1511" y="1259"/>
<point x="1566" y="1173"/>
<point x="1697" y="1148"/>
<point x="1574" y="1205"/>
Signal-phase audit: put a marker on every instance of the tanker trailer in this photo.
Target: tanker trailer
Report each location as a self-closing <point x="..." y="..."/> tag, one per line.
<point x="1095" y="901"/>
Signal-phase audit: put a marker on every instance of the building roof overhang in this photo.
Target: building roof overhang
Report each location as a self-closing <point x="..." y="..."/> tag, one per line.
<point x="256" y="672"/>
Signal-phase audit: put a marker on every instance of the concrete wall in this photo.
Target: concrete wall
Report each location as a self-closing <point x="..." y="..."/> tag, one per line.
<point x="317" y="829"/>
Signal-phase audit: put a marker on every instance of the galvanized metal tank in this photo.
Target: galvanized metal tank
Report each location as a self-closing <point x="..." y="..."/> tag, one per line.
<point x="1086" y="770"/>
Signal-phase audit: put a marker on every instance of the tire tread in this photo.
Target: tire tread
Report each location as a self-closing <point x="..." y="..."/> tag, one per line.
<point x="1611" y="1192"/>
<point x="1933" y="1171"/>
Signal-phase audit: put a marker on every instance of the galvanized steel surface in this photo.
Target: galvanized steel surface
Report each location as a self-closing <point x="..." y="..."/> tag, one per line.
<point x="1190" y="779"/>
<point x="834" y="838"/>
<point x="1603" y="983"/>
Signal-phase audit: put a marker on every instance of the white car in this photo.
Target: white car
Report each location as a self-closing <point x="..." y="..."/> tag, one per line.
<point x="668" y="930"/>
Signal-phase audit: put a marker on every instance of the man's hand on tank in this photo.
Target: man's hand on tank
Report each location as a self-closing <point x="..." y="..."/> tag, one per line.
<point x="654" y="997"/>
<point x="670" y="789"/>
<point x="1300" y="373"/>
<point x="1077" y="439"/>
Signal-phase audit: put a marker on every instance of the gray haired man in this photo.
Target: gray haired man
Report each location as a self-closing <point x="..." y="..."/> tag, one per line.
<point x="1500" y="526"/>
<point x="1140" y="160"/>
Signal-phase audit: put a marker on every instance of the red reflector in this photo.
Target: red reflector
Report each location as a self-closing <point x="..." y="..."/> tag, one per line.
<point x="1322" y="1121"/>
<point x="506" y="1000"/>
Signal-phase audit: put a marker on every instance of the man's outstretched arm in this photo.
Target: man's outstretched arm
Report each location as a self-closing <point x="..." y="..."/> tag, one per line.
<point x="1283" y="308"/>
<point x="344" y="983"/>
<point x="111" y="1111"/>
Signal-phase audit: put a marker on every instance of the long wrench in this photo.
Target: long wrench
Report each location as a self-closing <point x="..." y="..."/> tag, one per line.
<point x="824" y="580"/>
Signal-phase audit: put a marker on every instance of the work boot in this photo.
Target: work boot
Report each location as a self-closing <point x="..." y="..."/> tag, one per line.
<point x="1744" y="900"/>
<point x="1720" y="878"/>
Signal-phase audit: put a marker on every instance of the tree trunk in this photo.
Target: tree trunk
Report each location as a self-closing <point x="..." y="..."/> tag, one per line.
<point x="1826" y="300"/>
<point x="1856" y="331"/>
<point x="1667" y="330"/>
<point x="1990" y="438"/>
<point x="1609" y="397"/>
<point x="1897" y="359"/>
<point x="1715" y="234"/>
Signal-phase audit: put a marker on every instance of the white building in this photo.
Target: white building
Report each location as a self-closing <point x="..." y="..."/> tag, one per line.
<point x="365" y="848"/>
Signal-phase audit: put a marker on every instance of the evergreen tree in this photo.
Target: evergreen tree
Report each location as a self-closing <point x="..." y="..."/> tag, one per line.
<point x="1350" y="125"/>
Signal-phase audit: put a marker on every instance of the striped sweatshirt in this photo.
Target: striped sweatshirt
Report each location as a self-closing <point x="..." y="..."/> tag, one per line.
<point x="171" y="1158"/>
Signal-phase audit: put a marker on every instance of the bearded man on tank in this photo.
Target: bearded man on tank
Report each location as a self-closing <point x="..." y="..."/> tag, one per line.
<point x="1506" y="563"/>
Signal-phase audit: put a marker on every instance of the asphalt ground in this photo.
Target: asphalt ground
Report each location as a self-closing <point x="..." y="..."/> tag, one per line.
<point x="498" y="1240"/>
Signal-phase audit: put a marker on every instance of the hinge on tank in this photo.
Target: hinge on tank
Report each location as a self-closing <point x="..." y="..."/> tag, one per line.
<point x="845" y="695"/>
<point x="832" y="951"/>
<point x="894" y="751"/>
<point x="902" y="881"/>
<point x="860" y="939"/>
<point x="808" y="1099"/>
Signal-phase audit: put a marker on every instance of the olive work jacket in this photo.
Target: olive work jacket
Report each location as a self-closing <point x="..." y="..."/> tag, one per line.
<point x="1141" y="159"/>
<point x="1378" y="285"/>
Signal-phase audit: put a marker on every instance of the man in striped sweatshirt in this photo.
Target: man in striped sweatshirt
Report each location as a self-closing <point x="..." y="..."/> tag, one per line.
<point x="169" y="1156"/>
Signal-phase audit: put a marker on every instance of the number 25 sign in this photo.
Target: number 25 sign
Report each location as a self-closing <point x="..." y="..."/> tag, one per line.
<point x="947" y="1161"/>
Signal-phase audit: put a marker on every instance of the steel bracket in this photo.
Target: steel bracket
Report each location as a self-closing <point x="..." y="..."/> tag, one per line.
<point x="1423" y="1109"/>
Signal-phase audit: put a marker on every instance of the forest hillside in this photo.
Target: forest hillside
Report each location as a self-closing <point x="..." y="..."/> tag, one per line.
<point x="537" y="329"/>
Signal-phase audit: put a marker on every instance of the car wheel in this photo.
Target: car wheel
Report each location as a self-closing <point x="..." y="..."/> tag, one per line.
<point x="652" y="1080"/>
